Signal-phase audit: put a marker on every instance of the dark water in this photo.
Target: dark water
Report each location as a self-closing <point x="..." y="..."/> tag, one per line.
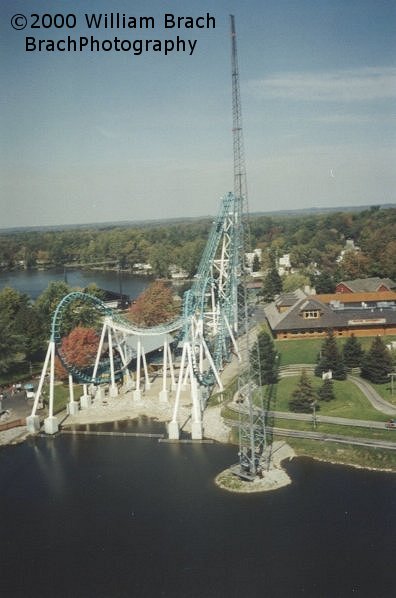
<point x="131" y="517"/>
<point x="35" y="282"/>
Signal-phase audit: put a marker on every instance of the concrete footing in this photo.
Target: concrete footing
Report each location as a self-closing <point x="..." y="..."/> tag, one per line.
<point x="164" y="396"/>
<point x="173" y="431"/>
<point x="99" y="394"/>
<point x="51" y="425"/>
<point x="196" y="431"/>
<point x="137" y="395"/>
<point x="85" y="401"/>
<point x="113" y="391"/>
<point x="73" y="407"/>
<point x="33" y="424"/>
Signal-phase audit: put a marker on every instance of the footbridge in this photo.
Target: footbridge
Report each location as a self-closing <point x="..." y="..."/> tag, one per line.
<point x="195" y="347"/>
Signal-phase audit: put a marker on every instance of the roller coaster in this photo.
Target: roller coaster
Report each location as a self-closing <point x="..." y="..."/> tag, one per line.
<point x="205" y="334"/>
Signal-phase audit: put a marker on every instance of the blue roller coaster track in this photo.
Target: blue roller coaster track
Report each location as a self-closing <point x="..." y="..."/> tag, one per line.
<point x="209" y="306"/>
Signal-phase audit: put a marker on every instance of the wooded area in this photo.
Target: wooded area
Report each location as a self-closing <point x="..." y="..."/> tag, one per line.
<point x="314" y="241"/>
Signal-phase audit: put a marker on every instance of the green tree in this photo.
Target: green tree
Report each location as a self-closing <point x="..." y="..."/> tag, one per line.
<point x="292" y="282"/>
<point x="11" y="346"/>
<point x="303" y="396"/>
<point x="323" y="283"/>
<point x="272" y="285"/>
<point x="352" y="352"/>
<point x="256" y="263"/>
<point x="47" y="302"/>
<point x="377" y="363"/>
<point x="263" y="358"/>
<point x="330" y="358"/>
<point x="326" y="391"/>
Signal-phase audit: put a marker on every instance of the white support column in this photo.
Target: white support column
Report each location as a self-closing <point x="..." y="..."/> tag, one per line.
<point x="113" y="390"/>
<point x="85" y="399"/>
<point x="212" y="365"/>
<point x="196" y="423"/>
<point x="234" y="343"/>
<point x="147" y="382"/>
<point x="137" y="395"/>
<point x="99" y="352"/>
<point x="173" y="428"/>
<point x="127" y="382"/>
<point x="163" y="395"/>
<point x="51" y="422"/>
<point x="171" y="369"/>
<point x="72" y="407"/>
<point x="33" y="420"/>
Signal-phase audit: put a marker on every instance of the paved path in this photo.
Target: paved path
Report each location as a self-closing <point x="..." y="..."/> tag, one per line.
<point x="372" y="395"/>
<point x="329" y="419"/>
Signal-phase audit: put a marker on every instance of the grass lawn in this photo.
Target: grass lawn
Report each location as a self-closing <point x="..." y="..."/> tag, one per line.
<point x="345" y="454"/>
<point x="349" y="401"/>
<point x="306" y="350"/>
<point x="298" y="351"/>
<point x="61" y="395"/>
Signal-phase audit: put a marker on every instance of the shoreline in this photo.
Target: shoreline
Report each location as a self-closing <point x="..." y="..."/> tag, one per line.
<point x="214" y="428"/>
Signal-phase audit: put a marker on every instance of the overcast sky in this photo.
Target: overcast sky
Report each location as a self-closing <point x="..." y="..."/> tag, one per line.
<point x="108" y="136"/>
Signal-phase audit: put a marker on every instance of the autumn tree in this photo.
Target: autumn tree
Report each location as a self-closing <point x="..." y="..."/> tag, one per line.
<point x="79" y="348"/>
<point x="154" y="306"/>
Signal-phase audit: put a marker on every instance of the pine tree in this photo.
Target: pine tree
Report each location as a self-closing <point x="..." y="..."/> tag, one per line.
<point x="272" y="285"/>
<point x="352" y="352"/>
<point x="256" y="263"/>
<point x="326" y="391"/>
<point x="263" y="360"/>
<point x="303" y="396"/>
<point x="330" y="358"/>
<point x="377" y="363"/>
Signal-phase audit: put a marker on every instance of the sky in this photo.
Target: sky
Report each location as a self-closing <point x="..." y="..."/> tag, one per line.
<point x="113" y="136"/>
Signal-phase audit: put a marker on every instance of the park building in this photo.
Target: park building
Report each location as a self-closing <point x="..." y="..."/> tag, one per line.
<point x="299" y="315"/>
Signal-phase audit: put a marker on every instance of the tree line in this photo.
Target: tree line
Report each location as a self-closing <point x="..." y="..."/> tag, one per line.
<point x="314" y="242"/>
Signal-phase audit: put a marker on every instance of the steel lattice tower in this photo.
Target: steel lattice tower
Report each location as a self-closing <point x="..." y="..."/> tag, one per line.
<point x="251" y="424"/>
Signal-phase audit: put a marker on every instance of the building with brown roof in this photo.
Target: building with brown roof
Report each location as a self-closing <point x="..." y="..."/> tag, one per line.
<point x="312" y="316"/>
<point x="365" y="285"/>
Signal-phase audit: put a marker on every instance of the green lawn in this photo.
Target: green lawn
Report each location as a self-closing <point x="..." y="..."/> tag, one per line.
<point x="306" y="350"/>
<point x="298" y="351"/>
<point x="61" y="395"/>
<point x="349" y="401"/>
<point x="344" y="454"/>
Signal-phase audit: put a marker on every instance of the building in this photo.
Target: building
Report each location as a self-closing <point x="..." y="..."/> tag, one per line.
<point x="296" y="316"/>
<point x="365" y="285"/>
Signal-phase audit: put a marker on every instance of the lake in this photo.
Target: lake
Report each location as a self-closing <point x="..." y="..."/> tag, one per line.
<point x="34" y="282"/>
<point x="113" y="517"/>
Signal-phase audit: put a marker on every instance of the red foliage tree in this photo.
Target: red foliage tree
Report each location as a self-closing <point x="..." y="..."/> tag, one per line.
<point x="80" y="346"/>
<point x="154" y="306"/>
